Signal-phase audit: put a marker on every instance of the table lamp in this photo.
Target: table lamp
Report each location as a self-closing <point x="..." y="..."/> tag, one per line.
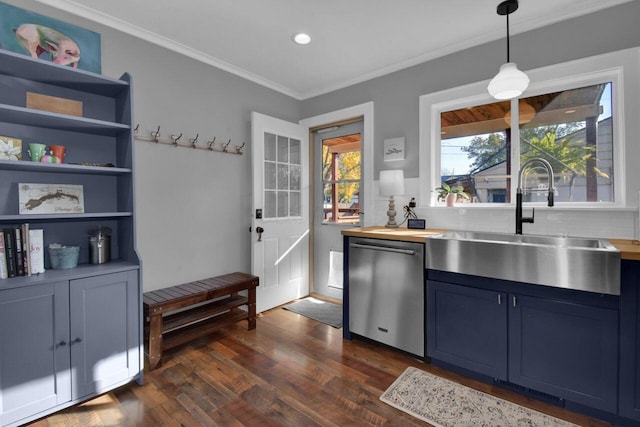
<point x="391" y="184"/>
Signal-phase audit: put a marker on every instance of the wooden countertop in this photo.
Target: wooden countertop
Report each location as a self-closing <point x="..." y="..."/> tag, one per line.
<point x="629" y="249"/>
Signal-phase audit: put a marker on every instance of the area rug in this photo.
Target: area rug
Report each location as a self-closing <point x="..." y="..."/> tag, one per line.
<point x="443" y="403"/>
<point x="322" y="311"/>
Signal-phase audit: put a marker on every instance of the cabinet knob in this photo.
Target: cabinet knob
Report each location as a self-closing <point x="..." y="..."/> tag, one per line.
<point x="61" y="344"/>
<point x="77" y="340"/>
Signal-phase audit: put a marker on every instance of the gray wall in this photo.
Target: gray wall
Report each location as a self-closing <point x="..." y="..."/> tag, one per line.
<point x="193" y="206"/>
<point x="396" y="95"/>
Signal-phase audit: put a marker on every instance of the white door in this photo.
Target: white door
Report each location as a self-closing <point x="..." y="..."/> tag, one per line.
<point x="280" y="253"/>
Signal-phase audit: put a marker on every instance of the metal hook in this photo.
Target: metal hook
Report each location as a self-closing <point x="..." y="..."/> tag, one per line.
<point x="240" y="147"/>
<point x="155" y="135"/>
<point x="224" y="147"/>
<point x="175" y="139"/>
<point x="194" y="141"/>
<point x="211" y="143"/>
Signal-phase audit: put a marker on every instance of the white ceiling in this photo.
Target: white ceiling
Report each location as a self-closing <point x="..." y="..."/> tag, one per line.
<point x="352" y="40"/>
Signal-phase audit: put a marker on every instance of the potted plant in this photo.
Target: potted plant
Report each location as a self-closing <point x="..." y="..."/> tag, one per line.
<point x="451" y="194"/>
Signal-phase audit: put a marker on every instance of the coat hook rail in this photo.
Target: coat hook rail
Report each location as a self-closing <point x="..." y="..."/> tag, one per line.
<point x="175" y="140"/>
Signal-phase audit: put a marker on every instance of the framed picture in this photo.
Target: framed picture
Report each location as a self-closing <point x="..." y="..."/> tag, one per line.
<point x="49" y="39"/>
<point x="10" y="148"/>
<point x="50" y="198"/>
<point x="394" y="149"/>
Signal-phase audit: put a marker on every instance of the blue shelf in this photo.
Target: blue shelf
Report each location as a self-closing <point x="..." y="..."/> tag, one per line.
<point x="28" y="166"/>
<point x="63" y="217"/>
<point x="45" y="119"/>
<point x="25" y="67"/>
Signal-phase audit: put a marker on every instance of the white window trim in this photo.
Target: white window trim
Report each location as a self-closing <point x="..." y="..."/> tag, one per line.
<point x="597" y="69"/>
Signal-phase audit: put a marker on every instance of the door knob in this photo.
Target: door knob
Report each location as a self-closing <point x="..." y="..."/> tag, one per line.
<point x="259" y="230"/>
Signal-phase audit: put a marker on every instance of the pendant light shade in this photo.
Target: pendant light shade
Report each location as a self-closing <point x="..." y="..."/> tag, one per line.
<point x="509" y="82"/>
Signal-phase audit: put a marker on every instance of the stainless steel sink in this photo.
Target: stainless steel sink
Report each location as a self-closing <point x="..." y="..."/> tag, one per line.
<point x="583" y="264"/>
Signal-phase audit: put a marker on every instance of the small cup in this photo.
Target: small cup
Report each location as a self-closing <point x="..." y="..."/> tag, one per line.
<point x="58" y="151"/>
<point x="36" y="151"/>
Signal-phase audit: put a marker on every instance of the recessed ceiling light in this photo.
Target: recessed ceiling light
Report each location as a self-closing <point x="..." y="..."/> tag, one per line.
<point x="301" y="38"/>
<point x="570" y="111"/>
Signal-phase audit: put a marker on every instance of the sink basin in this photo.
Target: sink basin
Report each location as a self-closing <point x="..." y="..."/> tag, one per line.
<point x="584" y="264"/>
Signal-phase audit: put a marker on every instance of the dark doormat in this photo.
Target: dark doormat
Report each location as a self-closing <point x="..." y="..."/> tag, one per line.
<point x="322" y="311"/>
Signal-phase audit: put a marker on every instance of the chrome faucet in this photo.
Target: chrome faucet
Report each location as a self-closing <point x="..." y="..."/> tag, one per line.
<point x="519" y="218"/>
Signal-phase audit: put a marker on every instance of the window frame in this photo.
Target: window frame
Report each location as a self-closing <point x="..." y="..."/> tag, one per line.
<point x="565" y="76"/>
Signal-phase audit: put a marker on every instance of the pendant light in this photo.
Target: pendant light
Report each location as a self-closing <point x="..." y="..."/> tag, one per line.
<point x="509" y="82"/>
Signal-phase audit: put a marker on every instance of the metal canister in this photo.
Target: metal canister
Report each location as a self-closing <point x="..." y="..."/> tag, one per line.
<point x="100" y="245"/>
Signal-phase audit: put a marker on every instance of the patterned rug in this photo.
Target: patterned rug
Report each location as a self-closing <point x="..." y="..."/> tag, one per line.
<point x="443" y="403"/>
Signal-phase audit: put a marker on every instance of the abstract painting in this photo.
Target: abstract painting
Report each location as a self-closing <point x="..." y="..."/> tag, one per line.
<point x="49" y="39"/>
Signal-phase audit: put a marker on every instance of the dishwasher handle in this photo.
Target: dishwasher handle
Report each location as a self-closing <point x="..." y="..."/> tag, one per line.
<point x="383" y="248"/>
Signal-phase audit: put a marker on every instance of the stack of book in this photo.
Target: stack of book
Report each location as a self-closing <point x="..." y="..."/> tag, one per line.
<point x="21" y="251"/>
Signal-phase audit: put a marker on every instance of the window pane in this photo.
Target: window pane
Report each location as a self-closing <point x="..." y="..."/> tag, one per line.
<point x="270" y="204"/>
<point x="573" y="131"/>
<point x="283" y="204"/>
<point x="474" y="151"/>
<point x="295" y="152"/>
<point x="341" y="202"/>
<point x="294" y="177"/>
<point x="269" y="176"/>
<point x="295" y="205"/>
<point x="283" y="177"/>
<point x="269" y="146"/>
<point x="283" y="149"/>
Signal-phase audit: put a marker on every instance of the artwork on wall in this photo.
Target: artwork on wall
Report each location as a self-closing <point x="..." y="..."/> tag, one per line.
<point x="394" y="149"/>
<point x="49" y="39"/>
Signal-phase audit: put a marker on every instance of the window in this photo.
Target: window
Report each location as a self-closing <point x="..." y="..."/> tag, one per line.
<point x="282" y="172"/>
<point x="341" y="179"/>
<point x="571" y="129"/>
<point x="572" y="116"/>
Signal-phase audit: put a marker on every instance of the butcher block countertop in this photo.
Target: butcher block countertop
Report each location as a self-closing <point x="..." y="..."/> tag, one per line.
<point x="629" y="249"/>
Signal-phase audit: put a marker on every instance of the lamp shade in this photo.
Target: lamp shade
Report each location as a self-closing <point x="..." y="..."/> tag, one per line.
<point x="392" y="182"/>
<point x="509" y="82"/>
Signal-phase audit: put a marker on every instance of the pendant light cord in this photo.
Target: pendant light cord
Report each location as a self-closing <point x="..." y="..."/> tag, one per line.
<point x="508" y="58"/>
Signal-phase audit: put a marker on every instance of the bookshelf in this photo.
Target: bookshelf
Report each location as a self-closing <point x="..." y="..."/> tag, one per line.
<point x="82" y="301"/>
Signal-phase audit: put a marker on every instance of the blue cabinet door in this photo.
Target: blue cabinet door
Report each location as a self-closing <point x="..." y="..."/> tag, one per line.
<point x="564" y="349"/>
<point x="34" y="350"/>
<point x="467" y="327"/>
<point x="630" y="340"/>
<point x="105" y="344"/>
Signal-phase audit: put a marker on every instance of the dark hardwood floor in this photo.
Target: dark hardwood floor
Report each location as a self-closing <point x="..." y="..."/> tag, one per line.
<point x="289" y="371"/>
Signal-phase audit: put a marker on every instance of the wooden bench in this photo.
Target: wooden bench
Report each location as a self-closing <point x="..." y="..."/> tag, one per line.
<point x="202" y="310"/>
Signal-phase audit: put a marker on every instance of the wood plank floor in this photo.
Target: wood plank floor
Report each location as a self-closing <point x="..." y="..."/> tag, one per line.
<point x="289" y="371"/>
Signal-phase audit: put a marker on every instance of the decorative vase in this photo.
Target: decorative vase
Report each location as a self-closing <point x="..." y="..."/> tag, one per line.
<point x="451" y="199"/>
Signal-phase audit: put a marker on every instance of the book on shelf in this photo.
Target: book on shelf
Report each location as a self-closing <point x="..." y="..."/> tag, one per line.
<point x="17" y="235"/>
<point x="3" y="259"/>
<point x="9" y="250"/>
<point x="26" y="253"/>
<point x="36" y="251"/>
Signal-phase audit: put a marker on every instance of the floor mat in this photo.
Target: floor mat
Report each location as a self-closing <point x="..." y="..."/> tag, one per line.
<point x="322" y="311"/>
<point x="444" y="403"/>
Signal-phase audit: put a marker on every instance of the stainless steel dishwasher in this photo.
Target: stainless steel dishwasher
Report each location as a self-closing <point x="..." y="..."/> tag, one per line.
<point x="386" y="292"/>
